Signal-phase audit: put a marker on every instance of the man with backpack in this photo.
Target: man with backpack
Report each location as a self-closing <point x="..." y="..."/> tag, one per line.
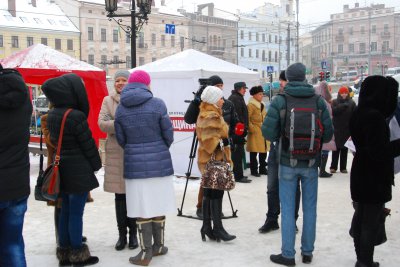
<point x="299" y="121"/>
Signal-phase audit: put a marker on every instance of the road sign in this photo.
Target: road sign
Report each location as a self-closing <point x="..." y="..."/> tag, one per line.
<point x="323" y="64"/>
<point x="170" y="28"/>
<point x="270" y="69"/>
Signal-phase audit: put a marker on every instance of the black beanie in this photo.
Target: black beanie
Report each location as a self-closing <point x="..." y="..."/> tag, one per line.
<point x="215" y="79"/>
<point x="282" y="76"/>
<point x="256" y="89"/>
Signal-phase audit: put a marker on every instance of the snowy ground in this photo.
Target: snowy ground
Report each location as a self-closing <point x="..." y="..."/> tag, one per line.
<point x="333" y="247"/>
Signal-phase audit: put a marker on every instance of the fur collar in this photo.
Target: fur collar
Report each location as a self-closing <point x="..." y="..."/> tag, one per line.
<point x="254" y="102"/>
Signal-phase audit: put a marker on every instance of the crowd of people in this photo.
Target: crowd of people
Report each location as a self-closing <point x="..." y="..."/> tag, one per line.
<point x="139" y="170"/>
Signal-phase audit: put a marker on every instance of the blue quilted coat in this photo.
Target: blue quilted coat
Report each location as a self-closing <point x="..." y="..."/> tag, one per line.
<point x="144" y="130"/>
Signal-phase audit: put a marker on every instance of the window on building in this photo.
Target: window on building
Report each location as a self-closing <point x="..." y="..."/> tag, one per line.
<point x="128" y="63"/>
<point x="116" y="61"/>
<point x="373" y="29"/>
<point x="153" y="59"/>
<point x="162" y="40"/>
<point x="263" y="55"/>
<point x="269" y="56"/>
<point x="340" y="48"/>
<point x="362" y="30"/>
<point x="70" y="44"/>
<point x="386" y="27"/>
<point x="14" y="42"/>
<point x="172" y="41"/>
<point x="141" y="61"/>
<point x="242" y="52"/>
<point x="340" y="31"/>
<point x="385" y="46"/>
<point x="103" y="60"/>
<point x="276" y="39"/>
<point x="276" y="56"/>
<point x="257" y="36"/>
<point x="269" y="38"/>
<point x="103" y="35"/>
<point x="263" y="37"/>
<point x="57" y="44"/>
<point x="241" y="34"/>
<point x="91" y="59"/>
<point x="90" y="33"/>
<point x="29" y="41"/>
<point x="250" y="52"/>
<point x="257" y="53"/>
<point x="250" y="33"/>
<point x="374" y="46"/>
<point x="43" y="41"/>
<point x="115" y="35"/>
<point x="362" y="48"/>
<point x="351" y="48"/>
<point x="1" y="40"/>
<point x="141" y="39"/>
<point x="351" y="30"/>
<point x="153" y="39"/>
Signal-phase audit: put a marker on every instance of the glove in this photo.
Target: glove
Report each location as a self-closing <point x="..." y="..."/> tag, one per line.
<point x="239" y="129"/>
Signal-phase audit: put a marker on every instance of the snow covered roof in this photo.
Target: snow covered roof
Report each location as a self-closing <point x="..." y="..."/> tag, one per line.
<point x="43" y="57"/>
<point x="45" y="16"/>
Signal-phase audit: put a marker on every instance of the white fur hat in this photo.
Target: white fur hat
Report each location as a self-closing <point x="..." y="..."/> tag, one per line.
<point x="211" y="94"/>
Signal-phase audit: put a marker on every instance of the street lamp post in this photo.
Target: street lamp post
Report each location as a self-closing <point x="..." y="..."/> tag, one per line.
<point x="144" y="9"/>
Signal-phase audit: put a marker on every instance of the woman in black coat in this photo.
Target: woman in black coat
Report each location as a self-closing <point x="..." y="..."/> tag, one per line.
<point x="372" y="171"/>
<point x="342" y="109"/>
<point x="79" y="160"/>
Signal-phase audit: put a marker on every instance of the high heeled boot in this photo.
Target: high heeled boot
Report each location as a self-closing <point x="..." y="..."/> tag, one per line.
<point x="122" y="223"/>
<point x="133" y="242"/>
<point x="206" y="229"/>
<point x="219" y="231"/>
<point x="145" y="229"/>
<point x="158" y="237"/>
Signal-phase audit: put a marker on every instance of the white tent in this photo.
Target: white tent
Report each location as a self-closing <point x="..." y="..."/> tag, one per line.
<point x="175" y="78"/>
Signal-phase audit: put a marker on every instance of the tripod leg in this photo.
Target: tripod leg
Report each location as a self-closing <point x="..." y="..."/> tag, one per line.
<point x="230" y="201"/>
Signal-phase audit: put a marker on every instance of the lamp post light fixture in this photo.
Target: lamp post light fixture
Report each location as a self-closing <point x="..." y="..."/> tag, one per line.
<point x="144" y="7"/>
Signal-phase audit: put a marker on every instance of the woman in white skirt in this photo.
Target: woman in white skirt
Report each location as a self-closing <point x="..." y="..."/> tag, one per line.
<point x="144" y="130"/>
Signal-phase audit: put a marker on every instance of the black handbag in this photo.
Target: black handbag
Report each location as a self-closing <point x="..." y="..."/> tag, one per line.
<point x="39" y="181"/>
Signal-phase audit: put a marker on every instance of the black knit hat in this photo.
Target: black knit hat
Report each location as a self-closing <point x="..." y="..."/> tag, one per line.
<point x="256" y="89"/>
<point x="215" y="79"/>
<point x="282" y="76"/>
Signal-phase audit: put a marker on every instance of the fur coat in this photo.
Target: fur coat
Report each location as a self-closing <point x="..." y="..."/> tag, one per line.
<point x="114" y="164"/>
<point x="255" y="140"/>
<point x="210" y="128"/>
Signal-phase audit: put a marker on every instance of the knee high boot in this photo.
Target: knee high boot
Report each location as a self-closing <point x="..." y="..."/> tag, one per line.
<point x="206" y="229"/>
<point x="145" y="229"/>
<point x="158" y="237"/>
<point x="133" y="242"/>
<point x="122" y="223"/>
<point x="322" y="172"/>
<point x="219" y="231"/>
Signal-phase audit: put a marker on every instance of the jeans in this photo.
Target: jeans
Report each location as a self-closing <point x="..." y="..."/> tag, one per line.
<point x="12" y="247"/>
<point x="288" y="179"/>
<point x="273" y="188"/>
<point x="71" y="220"/>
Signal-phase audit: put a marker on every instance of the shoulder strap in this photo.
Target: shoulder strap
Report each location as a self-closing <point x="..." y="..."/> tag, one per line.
<point x="60" y="137"/>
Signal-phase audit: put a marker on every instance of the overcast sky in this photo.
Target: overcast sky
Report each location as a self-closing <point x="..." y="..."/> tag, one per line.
<point x="310" y="13"/>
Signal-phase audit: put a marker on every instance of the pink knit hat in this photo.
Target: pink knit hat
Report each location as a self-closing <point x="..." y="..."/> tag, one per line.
<point x="139" y="76"/>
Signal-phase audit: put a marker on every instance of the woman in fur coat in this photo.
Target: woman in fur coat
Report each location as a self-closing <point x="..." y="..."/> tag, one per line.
<point x="113" y="177"/>
<point x="256" y="143"/>
<point x="210" y="129"/>
<point x="372" y="171"/>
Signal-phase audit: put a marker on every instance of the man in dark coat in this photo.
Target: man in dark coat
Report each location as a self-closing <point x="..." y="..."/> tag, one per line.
<point x="372" y="171"/>
<point x="15" y="115"/>
<point x="237" y="98"/>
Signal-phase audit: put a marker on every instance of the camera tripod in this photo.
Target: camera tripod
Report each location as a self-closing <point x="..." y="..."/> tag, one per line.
<point x="192" y="156"/>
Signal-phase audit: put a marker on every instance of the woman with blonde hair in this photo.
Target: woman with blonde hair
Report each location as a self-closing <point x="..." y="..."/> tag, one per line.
<point x="211" y="129"/>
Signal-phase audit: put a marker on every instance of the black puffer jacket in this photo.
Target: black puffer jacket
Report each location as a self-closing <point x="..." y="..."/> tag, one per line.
<point x="15" y="117"/>
<point x="79" y="154"/>
<point x="372" y="171"/>
<point x="242" y="115"/>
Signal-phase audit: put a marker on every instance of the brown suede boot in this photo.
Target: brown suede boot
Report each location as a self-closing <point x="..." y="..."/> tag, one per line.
<point x="144" y="257"/>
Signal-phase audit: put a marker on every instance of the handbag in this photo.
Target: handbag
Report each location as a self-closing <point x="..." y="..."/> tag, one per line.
<point x="39" y="181"/>
<point x="218" y="174"/>
<point x="51" y="176"/>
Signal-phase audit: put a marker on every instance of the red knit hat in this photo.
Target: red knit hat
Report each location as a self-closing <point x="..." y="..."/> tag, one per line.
<point x="343" y="90"/>
<point x="139" y="76"/>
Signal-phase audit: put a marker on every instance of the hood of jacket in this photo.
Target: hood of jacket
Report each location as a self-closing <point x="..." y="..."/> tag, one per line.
<point x="299" y="89"/>
<point x="67" y="91"/>
<point x="135" y="94"/>
<point x="13" y="91"/>
<point x="380" y="93"/>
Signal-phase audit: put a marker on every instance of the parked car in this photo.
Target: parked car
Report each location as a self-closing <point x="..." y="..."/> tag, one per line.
<point x="393" y="71"/>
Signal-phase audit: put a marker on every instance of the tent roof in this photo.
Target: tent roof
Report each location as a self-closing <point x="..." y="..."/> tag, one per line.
<point x="192" y="61"/>
<point x="39" y="56"/>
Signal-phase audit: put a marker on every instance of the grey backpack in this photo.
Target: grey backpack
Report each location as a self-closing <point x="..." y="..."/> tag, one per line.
<point x="302" y="128"/>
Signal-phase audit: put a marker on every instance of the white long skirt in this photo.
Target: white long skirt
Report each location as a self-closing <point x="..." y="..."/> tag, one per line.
<point x="150" y="197"/>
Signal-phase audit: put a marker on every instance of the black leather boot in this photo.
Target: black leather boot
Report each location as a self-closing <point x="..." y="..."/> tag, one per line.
<point x="322" y="172"/>
<point x="122" y="222"/>
<point x="206" y="229"/>
<point x="133" y="242"/>
<point x="219" y="231"/>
